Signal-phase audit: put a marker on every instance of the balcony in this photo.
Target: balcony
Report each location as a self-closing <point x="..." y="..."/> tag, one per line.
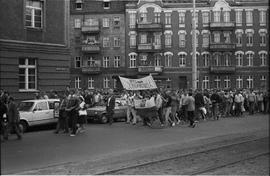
<point x="90" y="48"/>
<point x="150" y="69"/>
<point x="222" y="69"/>
<point x="222" y="25"/>
<point x="148" y="47"/>
<point x="90" y="29"/>
<point x="149" y="26"/>
<point x="222" y="46"/>
<point x="91" y="70"/>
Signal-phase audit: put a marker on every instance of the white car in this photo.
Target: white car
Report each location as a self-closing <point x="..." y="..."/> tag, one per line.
<point x="38" y="112"/>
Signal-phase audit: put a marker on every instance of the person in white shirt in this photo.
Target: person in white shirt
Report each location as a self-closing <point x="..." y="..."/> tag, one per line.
<point x="158" y="103"/>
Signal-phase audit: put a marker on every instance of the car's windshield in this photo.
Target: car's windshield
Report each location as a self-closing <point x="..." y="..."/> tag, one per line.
<point x="25" y="106"/>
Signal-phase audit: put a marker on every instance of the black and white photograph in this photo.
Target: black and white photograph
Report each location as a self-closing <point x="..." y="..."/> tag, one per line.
<point x="134" y="87"/>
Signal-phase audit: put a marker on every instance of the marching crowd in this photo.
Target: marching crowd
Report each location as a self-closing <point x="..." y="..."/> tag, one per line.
<point x="171" y="106"/>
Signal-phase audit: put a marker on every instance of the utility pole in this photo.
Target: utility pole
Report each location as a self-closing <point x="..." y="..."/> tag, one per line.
<point x="194" y="61"/>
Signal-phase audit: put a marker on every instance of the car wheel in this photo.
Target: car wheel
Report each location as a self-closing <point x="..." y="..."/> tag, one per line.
<point x="23" y="126"/>
<point x="104" y="119"/>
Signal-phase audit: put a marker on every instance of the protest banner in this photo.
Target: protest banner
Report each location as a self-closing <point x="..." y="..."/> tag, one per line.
<point x="144" y="83"/>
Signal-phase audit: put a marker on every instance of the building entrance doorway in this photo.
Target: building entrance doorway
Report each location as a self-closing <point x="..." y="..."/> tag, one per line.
<point x="182" y="82"/>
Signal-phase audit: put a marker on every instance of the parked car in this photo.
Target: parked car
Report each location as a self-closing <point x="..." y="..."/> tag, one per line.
<point x="98" y="113"/>
<point x="38" y="112"/>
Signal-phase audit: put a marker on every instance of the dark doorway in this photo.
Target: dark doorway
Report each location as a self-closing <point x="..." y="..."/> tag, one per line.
<point x="182" y="82"/>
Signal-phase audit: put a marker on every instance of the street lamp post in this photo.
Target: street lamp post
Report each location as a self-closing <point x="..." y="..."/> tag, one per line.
<point x="194" y="61"/>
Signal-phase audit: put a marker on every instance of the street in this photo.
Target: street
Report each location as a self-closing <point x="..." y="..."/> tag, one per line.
<point x="102" y="146"/>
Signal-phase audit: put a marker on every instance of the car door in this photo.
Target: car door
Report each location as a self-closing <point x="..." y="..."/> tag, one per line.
<point x="41" y="113"/>
<point x="116" y="110"/>
<point x="53" y="110"/>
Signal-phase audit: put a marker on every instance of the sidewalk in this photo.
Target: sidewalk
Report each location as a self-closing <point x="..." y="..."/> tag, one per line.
<point x="60" y="154"/>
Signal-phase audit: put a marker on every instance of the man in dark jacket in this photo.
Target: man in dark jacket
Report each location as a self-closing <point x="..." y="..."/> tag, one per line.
<point x="3" y="110"/>
<point x="13" y="118"/>
<point x="110" y="106"/>
<point x="199" y="103"/>
<point x="72" y="111"/>
<point x="216" y="99"/>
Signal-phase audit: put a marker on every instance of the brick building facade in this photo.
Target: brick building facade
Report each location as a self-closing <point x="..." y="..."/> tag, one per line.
<point x="232" y="42"/>
<point x="34" y="46"/>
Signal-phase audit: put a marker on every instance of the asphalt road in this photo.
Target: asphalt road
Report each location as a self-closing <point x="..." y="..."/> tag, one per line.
<point x="45" y="149"/>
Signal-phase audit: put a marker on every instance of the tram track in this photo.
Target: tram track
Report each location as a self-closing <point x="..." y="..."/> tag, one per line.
<point x="242" y="151"/>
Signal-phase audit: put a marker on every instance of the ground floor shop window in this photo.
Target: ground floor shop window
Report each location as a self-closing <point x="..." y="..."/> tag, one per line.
<point x="27" y="74"/>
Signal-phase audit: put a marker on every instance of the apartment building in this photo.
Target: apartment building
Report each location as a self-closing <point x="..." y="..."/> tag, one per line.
<point x="97" y="36"/>
<point x="34" y="46"/>
<point x="231" y="47"/>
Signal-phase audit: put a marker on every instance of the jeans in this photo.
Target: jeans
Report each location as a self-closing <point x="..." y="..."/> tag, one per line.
<point x="191" y="117"/>
<point x="73" y="116"/>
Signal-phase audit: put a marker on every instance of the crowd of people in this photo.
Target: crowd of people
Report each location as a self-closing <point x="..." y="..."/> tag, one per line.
<point x="172" y="107"/>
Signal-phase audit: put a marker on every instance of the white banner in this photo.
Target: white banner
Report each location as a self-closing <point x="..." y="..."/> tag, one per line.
<point x="138" y="84"/>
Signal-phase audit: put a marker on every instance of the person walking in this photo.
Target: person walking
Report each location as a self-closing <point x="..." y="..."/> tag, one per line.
<point x="82" y="115"/>
<point x="110" y="106"/>
<point x="199" y="104"/>
<point x="191" y="110"/>
<point x="63" y="118"/>
<point x="13" y="119"/>
<point x="158" y="102"/>
<point x="72" y="110"/>
<point x="251" y="102"/>
<point x="3" y="110"/>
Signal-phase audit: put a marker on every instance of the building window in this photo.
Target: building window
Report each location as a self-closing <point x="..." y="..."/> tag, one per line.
<point x="106" y="61"/>
<point x="239" y="59"/>
<point x="227" y="59"/>
<point x="77" y="23"/>
<point x="262" y="18"/>
<point x="181" y="19"/>
<point x="250" y="39"/>
<point x="262" y="38"/>
<point x="90" y="83"/>
<point x="116" y="61"/>
<point x="226" y="16"/>
<point x="116" y="21"/>
<point x="27" y="74"/>
<point x="132" y="60"/>
<point x="249" y="18"/>
<point x="78" y="82"/>
<point x="168" y="40"/>
<point x="90" y="61"/>
<point x="206" y="58"/>
<point x="196" y="18"/>
<point x="182" y="40"/>
<point x="157" y="17"/>
<point x="157" y="40"/>
<point x="239" y="39"/>
<point x="216" y="16"/>
<point x="106" y="22"/>
<point x="205" y="18"/>
<point x="205" y="40"/>
<point x="168" y="60"/>
<point x="34" y="14"/>
<point x="239" y="82"/>
<point x="217" y="82"/>
<point x="263" y="80"/>
<point x="132" y="20"/>
<point x="106" y="5"/>
<point x="216" y="37"/>
<point x="157" y="61"/>
<point x="132" y="41"/>
<point x="78" y="62"/>
<point x="106" y="82"/>
<point x="182" y="60"/>
<point x="217" y="59"/>
<point x="168" y="20"/>
<point x="250" y="82"/>
<point x="227" y="82"/>
<point x="143" y="17"/>
<point x="143" y="38"/>
<point x="238" y="16"/>
<point x="227" y="37"/>
<point x="263" y="58"/>
<point x="250" y="59"/>
<point x="205" y="83"/>
<point x="78" y="4"/>
<point x="116" y="41"/>
<point x="106" y="42"/>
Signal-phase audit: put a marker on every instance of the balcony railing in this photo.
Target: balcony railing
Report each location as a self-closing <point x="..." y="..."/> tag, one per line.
<point x="150" y="69"/>
<point x="91" y="70"/>
<point x="222" y="46"/>
<point x="149" y="26"/>
<point x="224" y="25"/>
<point x="148" y="47"/>
<point x="90" y="29"/>
<point x="91" y="48"/>
<point x="222" y="69"/>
